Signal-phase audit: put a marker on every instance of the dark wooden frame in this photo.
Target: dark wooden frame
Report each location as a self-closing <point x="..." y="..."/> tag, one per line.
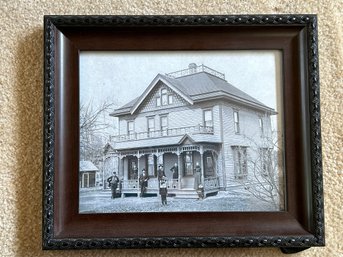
<point x="300" y="227"/>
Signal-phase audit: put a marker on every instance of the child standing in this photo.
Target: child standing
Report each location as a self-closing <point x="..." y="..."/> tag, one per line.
<point x="163" y="190"/>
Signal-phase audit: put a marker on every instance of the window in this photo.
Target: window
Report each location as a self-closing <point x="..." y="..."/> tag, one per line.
<point x="266" y="161"/>
<point x="164" y="125"/>
<point x="151" y="126"/>
<point x="158" y="101"/>
<point x="260" y="120"/>
<point x="209" y="164"/>
<point x="164" y="96"/>
<point x="240" y="162"/>
<point x="208" y="118"/>
<point x="130" y="129"/>
<point x="236" y="121"/>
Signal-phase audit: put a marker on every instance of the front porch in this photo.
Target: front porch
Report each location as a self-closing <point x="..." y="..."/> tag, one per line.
<point x="175" y="188"/>
<point x="184" y="158"/>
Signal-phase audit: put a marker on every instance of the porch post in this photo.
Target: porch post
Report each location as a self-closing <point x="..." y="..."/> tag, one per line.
<point x="179" y="169"/>
<point x="138" y="173"/>
<point x="202" y="166"/>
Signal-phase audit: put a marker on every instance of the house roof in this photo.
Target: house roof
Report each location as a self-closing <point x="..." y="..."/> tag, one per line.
<point x="87" y="166"/>
<point x="196" y="87"/>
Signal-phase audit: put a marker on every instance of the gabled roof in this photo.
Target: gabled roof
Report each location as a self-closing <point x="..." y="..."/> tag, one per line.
<point x="196" y="87"/>
<point x="87" y="166"/>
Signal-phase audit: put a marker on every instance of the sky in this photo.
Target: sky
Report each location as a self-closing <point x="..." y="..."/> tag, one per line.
<point x="120" y="76"/>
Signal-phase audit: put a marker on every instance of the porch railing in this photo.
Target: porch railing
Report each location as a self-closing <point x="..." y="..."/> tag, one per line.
<point x="133" y="184"/>
<point x="161" y="133"/>
<point x="211" y="183"/>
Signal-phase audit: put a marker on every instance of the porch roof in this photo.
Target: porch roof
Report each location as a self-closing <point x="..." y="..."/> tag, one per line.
<point x="165" y="141"/>
<point x="87" y="166"/>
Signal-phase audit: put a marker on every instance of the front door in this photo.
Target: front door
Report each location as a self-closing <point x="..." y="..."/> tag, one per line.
<point x="187" y="180"/>
<point x="133" y="168"/>
<point x="188" y="161"/>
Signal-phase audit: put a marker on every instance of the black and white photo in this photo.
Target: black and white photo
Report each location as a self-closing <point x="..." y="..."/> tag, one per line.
<point x="182" y="131"/>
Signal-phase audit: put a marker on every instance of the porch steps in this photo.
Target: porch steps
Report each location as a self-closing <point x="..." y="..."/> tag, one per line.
<point x="186" y="193"/>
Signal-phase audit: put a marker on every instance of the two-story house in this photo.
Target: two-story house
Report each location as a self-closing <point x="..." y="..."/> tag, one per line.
<point x="189" y="117"/>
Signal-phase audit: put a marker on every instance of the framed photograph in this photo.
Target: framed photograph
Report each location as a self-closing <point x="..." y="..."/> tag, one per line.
<point x="182" y="131"/>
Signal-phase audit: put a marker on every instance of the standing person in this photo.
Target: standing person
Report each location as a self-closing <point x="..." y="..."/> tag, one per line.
<point x="175" y="171"/>
<point x="143" y="182"/>
<point x="134" y="172"/>
<point x="197" y="176"/>
<point x="113" y="183"/>
<point x="163" y="190"/>
<point x="160" y="172"/>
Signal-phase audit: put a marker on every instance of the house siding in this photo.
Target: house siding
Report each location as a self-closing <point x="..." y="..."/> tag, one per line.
<point x="249" y="135"/>
<point x="178" y="117"/>
<point x="150" y="102"/>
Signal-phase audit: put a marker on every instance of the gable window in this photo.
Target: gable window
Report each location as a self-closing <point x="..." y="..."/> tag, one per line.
<point x="151" y="126"/>
<point x="164" y="96"/>
<point x="131" y="129"/>
<point x="170" y="99"/>
<point x="240" y="162"/>
<point x="164" y="125"/>
<point x="236" y="121"/>
<point x="208" y="118"/>
<point x="158" y="101"/>
<point x="260" y="120"/>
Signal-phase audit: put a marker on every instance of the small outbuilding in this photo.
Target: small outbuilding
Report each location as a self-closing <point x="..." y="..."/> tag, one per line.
<point x="87" y="175"/>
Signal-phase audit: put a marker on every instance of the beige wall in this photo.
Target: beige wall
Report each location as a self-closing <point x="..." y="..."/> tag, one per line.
<point x="21" y="100"/>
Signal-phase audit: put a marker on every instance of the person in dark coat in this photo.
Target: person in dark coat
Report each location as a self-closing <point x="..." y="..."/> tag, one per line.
<point x="143" y="182"/>
<point x="163" y="190"/>
<point x="160" y="172"/>
<point x="113" y="184"/>
<point x="175" y="171"/>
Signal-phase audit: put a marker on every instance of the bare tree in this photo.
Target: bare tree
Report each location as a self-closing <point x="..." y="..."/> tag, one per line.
<point x="265" y="161"/>
<point x="94" y="127"/>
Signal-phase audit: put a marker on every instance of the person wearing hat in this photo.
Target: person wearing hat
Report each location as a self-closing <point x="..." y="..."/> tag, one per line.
<point x="160" y="172"/>
<point x="163" y="190"/>
<point x="113" y="183"/>
<point x="143" y="182"/>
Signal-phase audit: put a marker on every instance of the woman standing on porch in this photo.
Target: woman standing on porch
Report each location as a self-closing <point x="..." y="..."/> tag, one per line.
<point x="197" y="176"/>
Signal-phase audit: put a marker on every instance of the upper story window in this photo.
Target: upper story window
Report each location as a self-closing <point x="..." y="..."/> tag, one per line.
<point x="236" y="121"/>
<point x="151" y="126"/>
<point x="164" y="98"/>
<point x="164" y="125"/>
<point x="260" y="121"/>
<point x="208" y="118"/>
<point x="130" y="128"/>
<point x="158" y="101"/>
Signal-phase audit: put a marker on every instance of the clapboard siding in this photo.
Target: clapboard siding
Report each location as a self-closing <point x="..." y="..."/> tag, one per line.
<point x="249" y="135"/>
<point x="180" y="116"/>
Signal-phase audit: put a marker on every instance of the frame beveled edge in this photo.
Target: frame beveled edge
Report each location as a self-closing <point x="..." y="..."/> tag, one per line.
<point x="309" y="21"/>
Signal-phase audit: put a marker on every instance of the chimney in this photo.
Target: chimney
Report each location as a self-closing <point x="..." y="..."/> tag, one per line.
<point x="192" y="68"/>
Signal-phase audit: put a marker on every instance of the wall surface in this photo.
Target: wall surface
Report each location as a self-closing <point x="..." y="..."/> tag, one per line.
<point x="21" y="100"/>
